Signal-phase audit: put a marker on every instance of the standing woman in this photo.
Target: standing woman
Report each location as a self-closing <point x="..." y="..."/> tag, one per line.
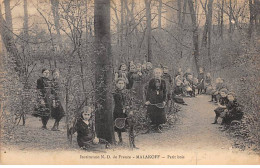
<point x="156" y="93"/>
<point x="44" y="100"/>
<point x="57" y="111"/>
<point x="201" y="80"/>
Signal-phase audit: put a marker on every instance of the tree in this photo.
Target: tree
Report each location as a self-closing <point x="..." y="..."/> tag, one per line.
<point x="195" y="33"/>
<point x="149" y="30"/>
<point x="103" y="71"/>
<point x="8" y="15"/>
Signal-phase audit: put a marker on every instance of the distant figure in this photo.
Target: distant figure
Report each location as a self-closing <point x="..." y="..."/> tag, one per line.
<point x="137" y="88"/>
<point x="156" y="93"/>
<point x="178" y="93"/>
<point x="201" y="79"/>
<point x="122" y="73"/>
<point x="207" y="82"/>
<point x="44" y="98"/>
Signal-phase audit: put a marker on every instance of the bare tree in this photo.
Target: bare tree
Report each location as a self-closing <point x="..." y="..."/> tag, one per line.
<point x="8" y="15"/>
<point x="195" y="34"/>
<point x="149" y="30"/>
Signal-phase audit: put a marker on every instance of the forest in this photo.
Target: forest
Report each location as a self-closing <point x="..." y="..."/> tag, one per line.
<point x="87" y="40"/>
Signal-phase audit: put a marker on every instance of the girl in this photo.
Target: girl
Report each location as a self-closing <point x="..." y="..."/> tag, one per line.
<point x="43" y="107"/>
<point x="120" y="105"/>
<point x="57" y="111"/>
<point x="122" y="73"/>
<point x="223" y="101"/>
<point x="137" y="86"/>
<point x="132" y="70"/>
<point x="207" y="82"/>
<point x="84" y="127"/>
<point x="177" y="94"/>
<point x="201" y="81"/>
<point x="233" y="111"/>
<point x="156" y="93"/>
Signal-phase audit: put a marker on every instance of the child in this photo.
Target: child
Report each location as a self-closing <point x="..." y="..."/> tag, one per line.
<point x="200" y="86"/>
<point x="188" y="72"/>
<point x="223" y="101"/>
<point x="138" y="84"/>
<point x="177" y="94"/>
<point x="189" y="86"/>
<point x="132" y="70"/>
<point x="43" y="107"/>
<point x="84" y="127"/>
<point x="168" y="79"/>
<point x="120" y="106"/>
<point x="207" y="82"/>
<point x="233" y="111"/>
<point x="156" y="93"/>
<point x="122" y="73"/>
<point x="217" y="88"/>
<point x="57" y="111"/>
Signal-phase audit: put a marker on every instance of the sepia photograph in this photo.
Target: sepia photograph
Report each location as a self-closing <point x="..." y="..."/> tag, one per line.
<point x="130" y="82"/>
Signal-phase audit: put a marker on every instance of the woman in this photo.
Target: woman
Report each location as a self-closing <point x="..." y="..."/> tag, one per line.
<point x="44" y="98"/>
<point x="156" y="93"/>
<point x="57" y="111"/>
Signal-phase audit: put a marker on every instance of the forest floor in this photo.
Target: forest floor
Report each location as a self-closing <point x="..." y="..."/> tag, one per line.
<point x="192" y="140"/>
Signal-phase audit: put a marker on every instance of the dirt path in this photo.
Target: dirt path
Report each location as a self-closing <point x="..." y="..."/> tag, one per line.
<point x="193" y="139"/>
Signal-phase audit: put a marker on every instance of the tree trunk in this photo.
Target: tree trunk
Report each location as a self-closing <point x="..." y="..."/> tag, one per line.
<point x="251" y="21"/>
<point x="9" y="44"/>
<point x="222" y="19"/>
<point x="103" y="71"/>
<point x="195" y="34"/>
<point x="8" y="15"/>
<point x="55" y="13"/>
<point x="179" y="13"/>
<point x="160" y="14"/>
<point x="230" y="19"/>
<point x="209" y="28"/>
<point x="149" y="30"/>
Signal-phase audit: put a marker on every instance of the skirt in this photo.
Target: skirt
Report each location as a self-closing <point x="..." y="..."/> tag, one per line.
<point x="156" y="115"/>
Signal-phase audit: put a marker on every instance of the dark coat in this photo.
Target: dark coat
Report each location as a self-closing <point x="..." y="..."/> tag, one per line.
<point x="120" y="104"/>
<point x="156" y="95"/>
<point x="85" y="133"/>
<point x="44" y="89"/>
<point x="137" y="88"/>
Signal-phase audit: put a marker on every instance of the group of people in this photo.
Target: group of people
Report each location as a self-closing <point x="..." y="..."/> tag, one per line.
<point x="49" y="99"/>
<point x="228" y="107"/>
<point x="137" y="85"/>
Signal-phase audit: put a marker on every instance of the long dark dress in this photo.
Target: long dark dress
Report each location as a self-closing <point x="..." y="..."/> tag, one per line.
<point x="85" y="133"/>
<point x="57" y="111"/>
<point x="43" y="94"/>
<point x="120" y="103"/>
<point x="201" y="81"/>
<point x="156" y="95"/>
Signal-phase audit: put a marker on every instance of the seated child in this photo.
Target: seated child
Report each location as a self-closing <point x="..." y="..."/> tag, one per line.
<point x="189" y="86"/>
<point x="177" y="94"/>
<point x="85" y="129"/>
<point x="233" y="111"/>
<point x="216" y="93"/>
<point x="223" y="101"/>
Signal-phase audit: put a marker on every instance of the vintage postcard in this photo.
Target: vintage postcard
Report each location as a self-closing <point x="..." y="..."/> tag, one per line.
<point x="129" y="82"/>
